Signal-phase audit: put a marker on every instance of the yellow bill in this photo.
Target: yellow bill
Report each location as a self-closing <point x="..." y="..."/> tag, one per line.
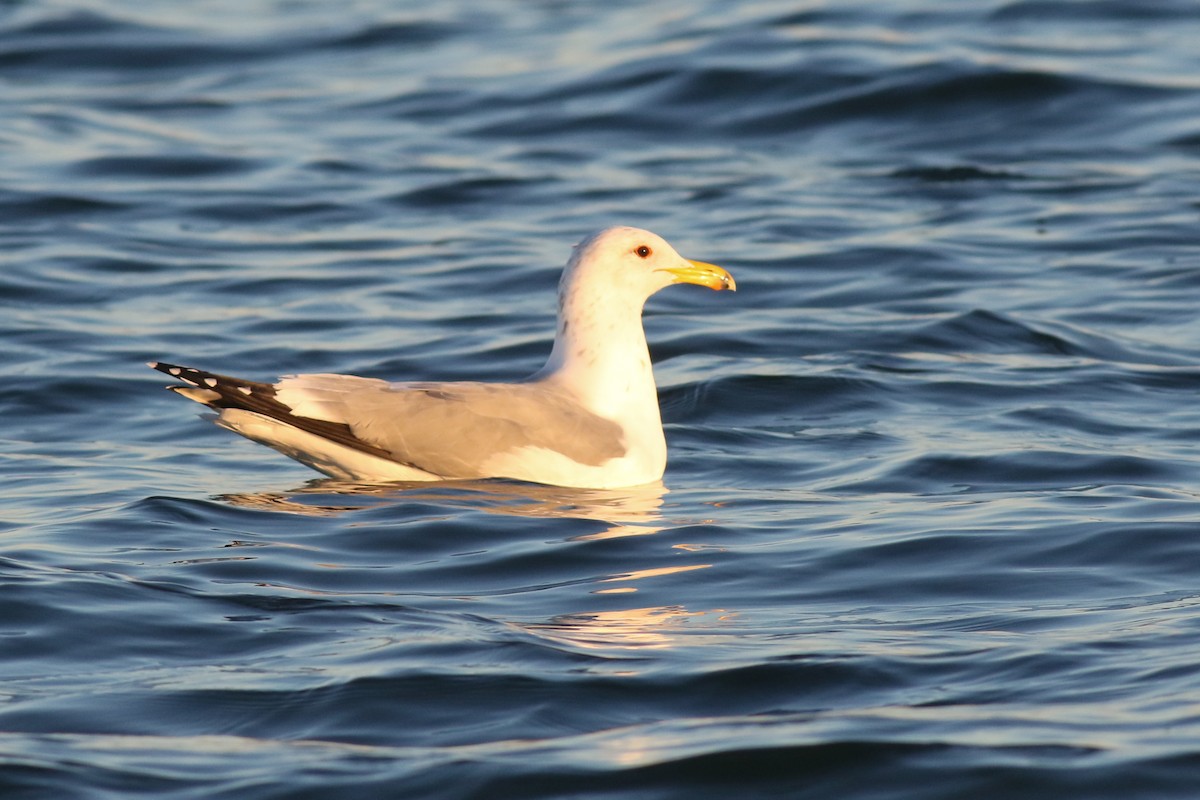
<point x="703" y="274"/>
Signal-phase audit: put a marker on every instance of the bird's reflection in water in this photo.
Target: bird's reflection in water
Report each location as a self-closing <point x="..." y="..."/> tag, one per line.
<point x="623" y="512"/>
<point x="628" y="512"/>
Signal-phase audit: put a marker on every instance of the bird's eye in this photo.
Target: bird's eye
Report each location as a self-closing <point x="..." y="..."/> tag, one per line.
<point x="643" y="251"/>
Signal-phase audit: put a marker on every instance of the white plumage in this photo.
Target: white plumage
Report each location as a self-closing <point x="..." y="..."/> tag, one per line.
<point x="588" y="418"/>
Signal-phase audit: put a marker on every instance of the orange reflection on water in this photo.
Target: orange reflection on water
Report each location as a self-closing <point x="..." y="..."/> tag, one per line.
<point x="655" y="627"/>
<point x="638" y="575"/>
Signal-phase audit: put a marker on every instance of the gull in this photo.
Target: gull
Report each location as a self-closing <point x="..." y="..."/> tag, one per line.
<point x="589" y="418"/>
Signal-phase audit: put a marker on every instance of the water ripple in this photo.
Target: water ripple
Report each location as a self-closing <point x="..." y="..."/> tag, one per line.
<point x="928" y="516"/>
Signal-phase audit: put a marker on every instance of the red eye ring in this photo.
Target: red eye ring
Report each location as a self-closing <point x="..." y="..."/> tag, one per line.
<point x="643" y="251"/>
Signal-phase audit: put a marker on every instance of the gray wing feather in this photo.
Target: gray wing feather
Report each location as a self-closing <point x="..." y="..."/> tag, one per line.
<point x="451" y="429"/>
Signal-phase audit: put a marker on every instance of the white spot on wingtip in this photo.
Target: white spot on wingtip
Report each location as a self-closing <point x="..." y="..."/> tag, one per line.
<point x="211" y="382"/>
<point x="244" y="390"/>
<point x="175" y="371"/>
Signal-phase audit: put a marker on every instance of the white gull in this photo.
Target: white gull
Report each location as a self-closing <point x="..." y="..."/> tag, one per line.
<point x="589" y="418"/>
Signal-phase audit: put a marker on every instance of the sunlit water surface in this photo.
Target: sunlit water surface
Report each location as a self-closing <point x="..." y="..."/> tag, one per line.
<point x="930" y="525"/>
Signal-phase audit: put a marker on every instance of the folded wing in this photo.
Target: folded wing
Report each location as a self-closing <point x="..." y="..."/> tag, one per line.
<point x="452" y="430"/>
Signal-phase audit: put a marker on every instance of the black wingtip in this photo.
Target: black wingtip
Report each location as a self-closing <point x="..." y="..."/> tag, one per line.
<point x="228" y="392"/>
<point x="222" y="392"/>
<point x="185" y="374"/>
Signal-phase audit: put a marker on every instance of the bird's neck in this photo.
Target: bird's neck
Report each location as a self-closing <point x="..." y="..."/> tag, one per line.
<point x="600" y="356"/>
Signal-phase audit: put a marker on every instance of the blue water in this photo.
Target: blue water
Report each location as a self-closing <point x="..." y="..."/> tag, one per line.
<point x="931" y="522"/>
